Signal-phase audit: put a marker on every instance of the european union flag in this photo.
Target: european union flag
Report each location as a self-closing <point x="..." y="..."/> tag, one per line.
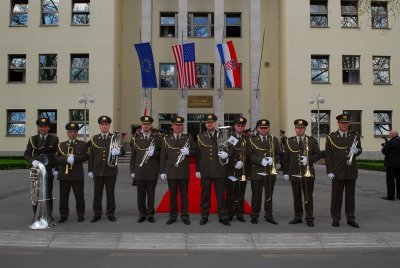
<point x="146" y="61"/>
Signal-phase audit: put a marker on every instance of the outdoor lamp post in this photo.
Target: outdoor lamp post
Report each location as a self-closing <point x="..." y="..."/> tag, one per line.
<point x="320" y="100"/>
<point x="85" y="99"/>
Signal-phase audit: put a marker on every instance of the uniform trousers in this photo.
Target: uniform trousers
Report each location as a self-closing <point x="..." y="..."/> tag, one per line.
<point x="257" y="187"/>
<point x="235" y="191"/>
<point x="101" y="182"/>
<point x="146" y="188"/>
<point x="393" y="182"/>
<point x="78" y="189"/>
<point x="305" y="185"/>
<point x="338" y="186"/>
<point x="219" y="188"/>
<point x="181" y="186"/>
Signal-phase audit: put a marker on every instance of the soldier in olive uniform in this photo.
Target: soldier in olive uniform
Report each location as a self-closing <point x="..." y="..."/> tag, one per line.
<point x="210" y="170"/>
<point x="264" y="152"/>
<point x="103" y="175"/>
<point x="238" y="170"/>
<point x="145" y="161"/>
<point x="177" y="146"/>
<point x="70" y="156"/>
<point x="300" y="154"/>
<point x="42" y="148"/>
<point x="341" y="149"/>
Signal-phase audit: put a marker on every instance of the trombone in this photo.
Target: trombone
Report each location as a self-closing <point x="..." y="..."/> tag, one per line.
<point x="70" y="151"/>
<point x="307" y="173"/>
<point x="146" y="154"/>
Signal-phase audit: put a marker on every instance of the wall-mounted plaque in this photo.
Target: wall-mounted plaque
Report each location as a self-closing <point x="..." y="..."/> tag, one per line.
<point x="200" y="101"/>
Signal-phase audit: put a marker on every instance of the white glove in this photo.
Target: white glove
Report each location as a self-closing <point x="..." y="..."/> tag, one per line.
<point x="354" y="150"/>
<point x="70" y="159"/>
<point x="133" y="175"/>
<point x="90" y="175"/>
<point x="185" y="151"/>
<point x="115" y="151"/>
<point x="331" y="176"/>
<point x="150" y="151"/>
<point x="163" y="176"/>
<point x="304" y="160"/>
<point x="264" y="162"/>
<point x="239" y="165"/>
<point x="198" y="175"/>
<point x="35" y="163"/>
<point x="223" y="155"/>
<point x="55" y="172"/>
<point x="286" y="177"/>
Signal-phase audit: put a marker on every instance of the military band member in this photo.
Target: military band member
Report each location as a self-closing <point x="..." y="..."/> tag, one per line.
<point x="210" y="170"/>
<point x="70" y="156"/>
<point x="238" y="170"/>
<point x="42" y="148"/>
<point x="103" y="175"/>
<point x="144" y="166"/>
<point x="174" y="166"/>
<point x="300" y="154"/>
<point x="264" y="152"/>
<point x="341" y="148"/>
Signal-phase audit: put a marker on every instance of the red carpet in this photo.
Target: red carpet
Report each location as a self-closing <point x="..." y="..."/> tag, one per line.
<point x="194" y="196"/>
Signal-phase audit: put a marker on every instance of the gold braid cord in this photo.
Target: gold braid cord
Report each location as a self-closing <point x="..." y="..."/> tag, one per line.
<point x="33" y="146"/>
<point x="61" y="151"/>
<point x="338" y="147"/>
<point x="135" y="144"/>
<point x="290" y="148"/>
<point x="95" y="145"/>
<point x="202" y="143"/>
<point x="243" y="143"/>
<point x="171" y="147"/>
<point x="255" y="146"/>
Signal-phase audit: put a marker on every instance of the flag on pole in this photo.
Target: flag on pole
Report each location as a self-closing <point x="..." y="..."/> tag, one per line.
<point x="229" y="60"/>
<point x="185" y="61"/>
<point x="145" y="108"/>
<point x="146" y="61"/>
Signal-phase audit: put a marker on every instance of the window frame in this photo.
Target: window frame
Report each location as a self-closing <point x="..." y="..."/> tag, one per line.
<point x="44" y="13"/>
<point x="352" y="122"/>
<point x="210" y="76"/>
<point x="377" y="16"/>
<point x="79" y="55"/>
<point x="226" y="14"/>
<point x="13" y="3"/>
<point x="314" y="123"/>
<point x="17" y="69"/>
<point x="230" y="118"/>
<point x="167" y="26"/>
<point x="327" y="57"/>
<point x="374" y="70"/>
<point x="43" y="68"/>
<point x="319" y="14"/>
<point x="191" y="25"/>
<point x="174" y="76"/>
<point x="351" y="70"/>
<point x="81" y="123"/>
<point x="85" y="13"/>
<point x="380" y="123"/>
<point x="345" y="14"/>
<point x="53" y="122"/>
<point x="12" y="122"/>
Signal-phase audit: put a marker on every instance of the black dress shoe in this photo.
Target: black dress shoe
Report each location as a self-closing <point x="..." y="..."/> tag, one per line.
<point x="335" y="224"/>
<point x="310" y="223"/>
<point x="151" y="219"/>
<point x="295" y="221"/>
<point x="95" y="218"/>
<point x="81" y="218"/>
<point x="388" y="198"/>
<point x="241" y="218"/>
<point x="272" y="221"/>
<point x="170" y="221"/>
<point x="112" y="218"/>
<point x="225" y="221"/>
<point x="353" y="224"/>
<point x="254" y="220"/>
<point x="230" y="218"/>
<point x="186" y="221"/>
<point x="141" y="219"/>
<point x="203" y="221"/>
<point x="63" y="219"/>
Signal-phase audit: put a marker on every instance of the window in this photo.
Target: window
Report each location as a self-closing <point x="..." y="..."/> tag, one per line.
<point x="168" y="75"/>
<point x="201" y="25"/>
<point x="48" y="68"/>
<point x="79" y="67"/>
<point x="16" y="68"/>
<point x="318" y="13"/>
<point x="351" y="69"/>
<point x="382" y="123"/>
<point x="78" y="116"/>
<point x="381" y="69"/>
<point x="324" y="122"/>
<point x="80" y="12"/>
<point x="229" y="119"/>
<point x="50" y="14"/>
<point x="233" y="24"/>
<point x="168" y="24"/>
<point x="379" y="15"/>
<point x="16" y="122"/>
<point x="319" y="69"/>
<point x="164" y="121"/>
<point x="205" y="75"/>
<point x="349" y="13"/>
<point x="19" y="13"/>
<point x="355" y="123"/>
<point x="52" y="115"/>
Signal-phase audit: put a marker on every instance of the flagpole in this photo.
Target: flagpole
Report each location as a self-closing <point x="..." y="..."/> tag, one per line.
<point x="259" y="68"/>
<point x="220" y="69"/>
<point x="182" y="56"/>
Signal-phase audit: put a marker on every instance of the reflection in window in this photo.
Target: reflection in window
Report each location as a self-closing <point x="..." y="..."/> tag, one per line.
<point x="19" y="13"/>
<point x="233" y="24"/>
<point x="319" y="69"/>
<point x="205" y="75"/>
<point x="379" y="14"/>
<point x="79" y="67"/>
<point x="77" y="116"/>
<point x="48" y="68"/>
<point x="382" y="123"/>
<point x="168" y="75"/>
<point x="351" y="69"/>
<point x="52" y="115"/>
<point x="229" y="119"/>
<point x="16" y="122"/>
<point x="168" y="24"/>
<point x="50" y="13"/>
<point x="381" y="69"/>
<point x="349" y="13"/>
<point x="16" y="68"/>
<point x="201" y="25"/>
<point x="80" y="12"/>
<point x="319" y="13"/>
<point x="324" y="122"/>
<point x="355" y="123"/>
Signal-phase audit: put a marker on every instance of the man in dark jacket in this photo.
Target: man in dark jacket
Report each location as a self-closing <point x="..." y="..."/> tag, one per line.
<point x="391" y="150"/>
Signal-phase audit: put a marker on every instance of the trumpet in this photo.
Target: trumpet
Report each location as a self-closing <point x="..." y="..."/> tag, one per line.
<point x="70" y="151"/>
<point x="273" y="168"/>
<point x="116" y="141"/>
<point x="307" y="173"/>
<point x="181" y="156"/>
<point x="351" y="155"/>
<point x="146" y="156"/>
<point x="242" y="156"/>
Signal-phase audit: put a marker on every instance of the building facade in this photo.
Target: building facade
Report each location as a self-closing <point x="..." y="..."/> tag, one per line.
<point x="289" y="52"/>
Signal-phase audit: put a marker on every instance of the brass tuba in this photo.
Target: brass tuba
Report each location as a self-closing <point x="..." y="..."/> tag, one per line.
<point x="38" y="188"/>
<point x="116" y="143"/>
<point x="223" y="135"/>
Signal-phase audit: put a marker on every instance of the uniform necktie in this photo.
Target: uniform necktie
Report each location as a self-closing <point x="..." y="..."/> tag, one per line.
<point x="344" y="135"/>
<point x="104" y="137"/>
<point x="264" y="140"/>
<point x="300" y="141"/>
<point x="146" y="138"/>
<point x="177" y="138"/>
<point x="43" y="139"/>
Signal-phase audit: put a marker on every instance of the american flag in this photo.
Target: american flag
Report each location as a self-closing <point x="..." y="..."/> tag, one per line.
<point x="186" y="65"/>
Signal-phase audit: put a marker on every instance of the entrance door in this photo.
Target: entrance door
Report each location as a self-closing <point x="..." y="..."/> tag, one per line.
<point x="195" y="124"/>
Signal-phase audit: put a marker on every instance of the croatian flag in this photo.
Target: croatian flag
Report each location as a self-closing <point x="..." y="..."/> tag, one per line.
<point x="228" y="58"/>
<point x="186" y="64"/>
